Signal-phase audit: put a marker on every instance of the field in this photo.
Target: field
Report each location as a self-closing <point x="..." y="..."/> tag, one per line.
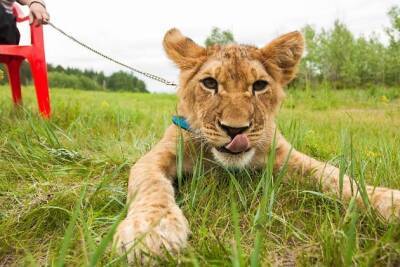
<point x="63" y="183"/>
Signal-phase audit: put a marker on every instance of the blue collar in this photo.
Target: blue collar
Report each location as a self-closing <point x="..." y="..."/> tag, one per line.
<point x="181" y="122"/>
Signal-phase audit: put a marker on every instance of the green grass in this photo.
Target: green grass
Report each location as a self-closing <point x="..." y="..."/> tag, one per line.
<point x="63" y="183"/>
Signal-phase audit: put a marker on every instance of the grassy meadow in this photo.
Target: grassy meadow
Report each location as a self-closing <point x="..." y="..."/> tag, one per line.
<point x="63" y="183"/>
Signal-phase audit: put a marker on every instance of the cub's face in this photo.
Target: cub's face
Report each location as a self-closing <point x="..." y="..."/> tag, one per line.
<point x="230" y="94"/>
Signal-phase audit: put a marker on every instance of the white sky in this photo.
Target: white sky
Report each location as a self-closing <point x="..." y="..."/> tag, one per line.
<point x="133" y="30"/>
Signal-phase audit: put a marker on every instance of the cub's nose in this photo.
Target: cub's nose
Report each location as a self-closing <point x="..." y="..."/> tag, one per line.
<point x="233" y="131"/>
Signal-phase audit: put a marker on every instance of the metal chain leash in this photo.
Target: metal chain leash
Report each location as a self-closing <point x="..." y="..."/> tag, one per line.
<point x="146" y="74"/>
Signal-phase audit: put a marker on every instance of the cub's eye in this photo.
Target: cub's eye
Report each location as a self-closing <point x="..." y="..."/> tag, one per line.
<point x="259" y="85"/>
<point x="210" y="83"/>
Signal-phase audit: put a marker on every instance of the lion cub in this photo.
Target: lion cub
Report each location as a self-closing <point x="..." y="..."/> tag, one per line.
<point x="229" y="95"/>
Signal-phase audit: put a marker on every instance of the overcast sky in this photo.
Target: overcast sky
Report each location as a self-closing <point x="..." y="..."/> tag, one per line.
<point x="133" y="30"/>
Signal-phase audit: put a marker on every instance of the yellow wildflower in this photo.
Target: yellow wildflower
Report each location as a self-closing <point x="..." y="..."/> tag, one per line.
<point x="371" y="154"/>
<point x="105" y="104"/>
<point x="384" y="99"/>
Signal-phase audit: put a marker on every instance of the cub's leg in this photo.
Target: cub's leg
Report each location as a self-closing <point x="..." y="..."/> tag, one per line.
<point x="154" y="221"/>
<point x="386" y="201"/>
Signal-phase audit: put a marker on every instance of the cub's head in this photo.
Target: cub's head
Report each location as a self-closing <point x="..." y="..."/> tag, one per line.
<point x="230" y="94"/>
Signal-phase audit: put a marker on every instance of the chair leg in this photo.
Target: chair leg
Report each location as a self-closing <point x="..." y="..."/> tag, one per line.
<point x="39" y="74"/>
<point x="13" y="67"/>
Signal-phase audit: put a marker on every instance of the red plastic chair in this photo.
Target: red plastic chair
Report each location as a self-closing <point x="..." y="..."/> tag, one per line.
<point x="13" y="55"/>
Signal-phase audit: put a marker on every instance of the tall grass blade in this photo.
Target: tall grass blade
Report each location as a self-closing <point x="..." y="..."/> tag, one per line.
<point x="350" y="231"/>
<point x="180" y="159"/>
<point x="68" y="236"/>
<point x="108" y="238"/>
<point x="237" y="258"/>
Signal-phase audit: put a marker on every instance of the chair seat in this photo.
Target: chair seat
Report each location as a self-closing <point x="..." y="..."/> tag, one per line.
<point x="15" y="50"/>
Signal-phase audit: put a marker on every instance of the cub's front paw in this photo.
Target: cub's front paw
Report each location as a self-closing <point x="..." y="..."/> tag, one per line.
<point x="149" y="232"/>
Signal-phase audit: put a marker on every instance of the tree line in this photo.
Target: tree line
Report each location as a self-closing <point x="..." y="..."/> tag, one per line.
<point x="340" y="59"/>
<point x="60" y="77"/>
<point x="334" y="58"/>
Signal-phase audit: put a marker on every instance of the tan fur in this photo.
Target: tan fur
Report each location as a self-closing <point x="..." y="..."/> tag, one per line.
<point x="154" y="220"/>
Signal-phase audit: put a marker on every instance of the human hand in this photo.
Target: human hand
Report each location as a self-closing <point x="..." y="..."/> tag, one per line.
<point x="38" y="14"/>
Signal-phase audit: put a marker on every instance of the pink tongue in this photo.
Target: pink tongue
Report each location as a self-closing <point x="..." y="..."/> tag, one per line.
<point x="239" y="144"/>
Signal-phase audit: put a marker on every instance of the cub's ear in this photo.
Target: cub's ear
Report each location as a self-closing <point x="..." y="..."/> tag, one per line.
<point x="182" y="50"/>
<point x="283" y="55"/>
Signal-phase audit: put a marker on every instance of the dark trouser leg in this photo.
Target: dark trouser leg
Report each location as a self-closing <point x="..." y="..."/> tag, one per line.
<point x="9" y="33"/>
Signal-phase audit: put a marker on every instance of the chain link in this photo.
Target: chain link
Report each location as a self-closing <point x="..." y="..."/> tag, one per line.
<point x="146" y="74"/>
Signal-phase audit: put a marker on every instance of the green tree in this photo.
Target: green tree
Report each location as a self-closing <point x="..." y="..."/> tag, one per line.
<point x="309" y="67"/>
<point x="125" y="82"/>
<point x="394" y="31"/>
<point x="337" y="56"/>
<point x="369" y="60"/>
<point x="392" y="58"/>
<point x="218" y="36"/>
